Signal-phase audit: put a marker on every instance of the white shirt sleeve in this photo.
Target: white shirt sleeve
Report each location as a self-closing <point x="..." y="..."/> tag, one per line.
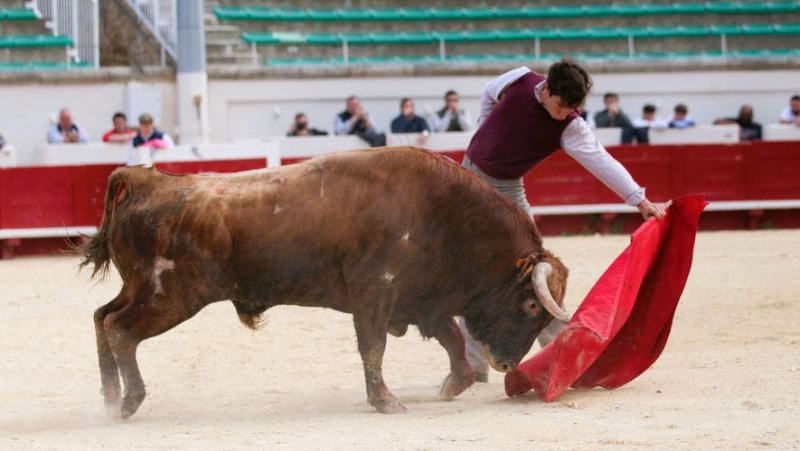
<point x="786" y="115"/>
<point x="490" y="94"/>
<point x="54" y="136"/>
<point x="341" y="127"/>
<point x="168" y="139"/>
<point x="579" y="142"/>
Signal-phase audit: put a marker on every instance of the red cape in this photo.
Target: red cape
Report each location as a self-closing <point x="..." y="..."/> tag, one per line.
<point x="622" y="326"/>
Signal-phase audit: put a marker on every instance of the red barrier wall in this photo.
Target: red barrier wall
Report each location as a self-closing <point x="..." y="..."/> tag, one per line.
<point x="74" y="195"/>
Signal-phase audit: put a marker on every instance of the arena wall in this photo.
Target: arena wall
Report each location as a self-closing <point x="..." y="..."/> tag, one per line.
<point x="249" y="110"/>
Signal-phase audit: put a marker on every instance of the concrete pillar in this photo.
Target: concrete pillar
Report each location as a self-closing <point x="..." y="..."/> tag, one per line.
<point x="192" y="78"/>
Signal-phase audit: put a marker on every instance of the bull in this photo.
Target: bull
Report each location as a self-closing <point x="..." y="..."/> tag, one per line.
<point x="393" y="236"/>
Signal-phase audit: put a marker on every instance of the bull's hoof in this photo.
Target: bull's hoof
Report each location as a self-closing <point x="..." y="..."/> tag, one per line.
<point x="130" y="404"/>
<point x="389" y="407"/>
<point x="453" y="385"/>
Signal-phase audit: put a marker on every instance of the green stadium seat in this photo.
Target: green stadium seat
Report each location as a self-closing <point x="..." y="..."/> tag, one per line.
<point x="571" y="33"/>
<point x="783" y="7"/>
<point x="720" y="7"/>
<point x="232" y="13"/>
<point x="417" y="37"/>
<point x="417" y="59"/>
<point x="754" y="53"/>
<point x="416" y="14"/>
<point x="479" y="13"/>
<point x="41" y="41"/>
<point x="7" y="41"/>
<point x="499" y="13"/>
<point x="385" y="14"/>
<point x="291" y="14"/>
<point x="661" y="31"/>
<point x="480" y="35"/>
<point x="636" y="32"/>
<point x="513" y="35"/>
<point x="259" y="38"/>
<point x="324" y="15"/>
<point x="289" y="37"/>
<point x="323" y="39"/>
<point x="628" y="10"/>
<point x="355" y="14"/>
<point x="598" y="10"/>
<point x="450" y="36"/>
<point x="757" y="29"/>
<point x="542" y="33"/>
<point x="447" y="13"/>
<point x="602" y="33"/>
<point x="752" y="7"/>
<point x="4" y="66"/>
<point x="560" y="12"/>
<point x="256" y="13"/>
<point x="688" y="8"/>
<point x="657" y="9"/>
<point x="355" y="38"/>
<point x="693" y="31"/>
<point x="17" y="14"/>
<point x="787" y="28"/>
<point x="729" y="30"/>
<point x="388" y="37"/>
<point x="780" y="52"/>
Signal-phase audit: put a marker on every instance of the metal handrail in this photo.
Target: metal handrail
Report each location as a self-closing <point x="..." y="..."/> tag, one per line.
<point x="78" y="19"/>
<point x="160" y="18"/>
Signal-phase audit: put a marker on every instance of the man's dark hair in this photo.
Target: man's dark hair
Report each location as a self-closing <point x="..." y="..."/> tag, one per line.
<point x="649" y="109"/>
<point x="681" y="108"/>
<point x="796" y="97"/>
<point x="403" y="101"/>
<point x="297" y="116"/>
<point x="351" y="98"/>
<point x="450" y="93"/>
<point x="568" y="80"/>
<point x="609" y="95"/>
<point x="119" y="115"/>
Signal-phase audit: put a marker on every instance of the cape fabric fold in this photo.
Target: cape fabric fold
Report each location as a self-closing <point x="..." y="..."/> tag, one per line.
<point x="623" y="324"/>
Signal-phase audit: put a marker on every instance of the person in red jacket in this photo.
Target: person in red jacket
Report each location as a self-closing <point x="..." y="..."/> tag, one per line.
<point x="120" y="134"/>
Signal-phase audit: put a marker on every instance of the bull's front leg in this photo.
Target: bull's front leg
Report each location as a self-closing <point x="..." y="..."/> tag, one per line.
<point x="371" y="321"/>
<point x="461" y="375"/>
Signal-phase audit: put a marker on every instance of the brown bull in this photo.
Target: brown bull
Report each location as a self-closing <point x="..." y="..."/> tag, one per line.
<point x="395" y="236"/>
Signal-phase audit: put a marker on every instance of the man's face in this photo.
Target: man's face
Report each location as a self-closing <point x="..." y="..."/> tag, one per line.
<point x="146" y="129"/>
<point x="65" y="120"/>
<point x="679" y="116"/>
<point x="611" y="101"/>
<point x="120" y="124"/>
<point x="649" y="116"/>
<point x="301" y="119"/>
<point x="795" y="106"/>
<point x="555" y="106"/>
<point x="746" y="113"/>
<point x="452" y="101"/>
<point x="407" y="108"/>
<point x="353" y="105"/>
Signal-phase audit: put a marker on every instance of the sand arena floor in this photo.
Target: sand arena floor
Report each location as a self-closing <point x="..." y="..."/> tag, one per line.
<point x="729" y="377"/>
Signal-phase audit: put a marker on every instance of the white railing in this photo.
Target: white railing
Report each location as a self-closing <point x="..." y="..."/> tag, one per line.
<point x="78" y="19"/>
<point x="160" y="17"/>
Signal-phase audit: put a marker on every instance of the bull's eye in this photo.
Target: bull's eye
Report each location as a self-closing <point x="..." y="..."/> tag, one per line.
<point x="533" y="305"/>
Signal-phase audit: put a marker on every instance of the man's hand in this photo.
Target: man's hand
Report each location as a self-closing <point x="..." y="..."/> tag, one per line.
<point x="649" y="209"/>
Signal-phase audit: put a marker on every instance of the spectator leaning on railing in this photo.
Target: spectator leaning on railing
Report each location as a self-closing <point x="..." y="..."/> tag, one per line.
<point x="451" y="118"/>
<point x="148" y="136"/>
<point x="612" y="116"/>
<point x="300" y="127"/>
<point x="791" y="113"/>
<point x="66" y="131"/>
<point x="408" y="122"/>
<point x="354" y="120"/>
<point x="2" y="142"/>
<point x="680" y="117"/>
<point x="640" y="127"/>
<point x="748" y="130"/>
<point x="120" y="134"/>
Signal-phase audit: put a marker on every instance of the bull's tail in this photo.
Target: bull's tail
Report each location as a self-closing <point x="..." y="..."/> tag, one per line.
<point x="95" y="248"/>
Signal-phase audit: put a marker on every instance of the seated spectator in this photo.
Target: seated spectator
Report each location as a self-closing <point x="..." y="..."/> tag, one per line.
<point x="65" y="131"/>
<point x="612" y="116"/>
<point x="748" y="130"/>
<point x="791" y="114"/>
<point x="2" y="142"/>
<point x="300" y="127"/>
<point x="120" y="134"/>
<point x="408" y="122"/>
<point x="680" y="118"/>
<point x="354" y="120"/>
<point x="451" y="118"/>
<point x="148" y="136"/>
<point x="640" y="127"/>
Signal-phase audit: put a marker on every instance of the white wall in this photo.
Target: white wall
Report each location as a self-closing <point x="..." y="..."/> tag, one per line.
<point x="242" y="110"/>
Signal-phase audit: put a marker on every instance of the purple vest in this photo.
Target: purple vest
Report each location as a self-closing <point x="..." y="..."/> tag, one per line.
<point x="519" y="132"/>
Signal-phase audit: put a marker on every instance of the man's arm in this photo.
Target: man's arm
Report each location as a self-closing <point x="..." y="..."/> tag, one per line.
<point x="54" y="136"/>
<point x="464" y="120"/>
<point x="579" y="142"/>
<point x="494" y="90"/>
<point x="341" y="127"/>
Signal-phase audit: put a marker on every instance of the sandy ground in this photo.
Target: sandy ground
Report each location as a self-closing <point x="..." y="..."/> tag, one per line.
<point x="728" y="379"/>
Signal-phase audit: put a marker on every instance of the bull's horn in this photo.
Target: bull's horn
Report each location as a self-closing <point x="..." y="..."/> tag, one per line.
<point x="541" y="271"/>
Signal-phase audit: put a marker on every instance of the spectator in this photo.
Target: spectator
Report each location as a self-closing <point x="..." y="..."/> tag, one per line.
<point x="408" y="122"/>
<point x="680" y="118"/>
<point x="640" y="127"/>
<point x="354" y="120"/>
<point x="791" y="114"/>
<point x="148" y="136"/>
<point x="612" y="116"/>
<point x="120" y="134"/>
<point x="748" y="130"/>
<point x="65" y="131"/>
<point x="300" y="127"/>
<point x="451" y="118"/>
<point x="2" y="142"/>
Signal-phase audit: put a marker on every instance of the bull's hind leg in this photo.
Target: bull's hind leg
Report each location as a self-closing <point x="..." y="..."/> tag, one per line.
<point x="109" y="372"/>
<point x="146" y="316"/>
<point x="461" y="375"/>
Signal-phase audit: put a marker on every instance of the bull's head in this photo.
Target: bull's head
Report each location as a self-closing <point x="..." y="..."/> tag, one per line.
<point x="509" y="322"/>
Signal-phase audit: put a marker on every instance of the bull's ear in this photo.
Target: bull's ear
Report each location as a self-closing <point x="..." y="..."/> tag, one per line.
<point x="532" y="307"/>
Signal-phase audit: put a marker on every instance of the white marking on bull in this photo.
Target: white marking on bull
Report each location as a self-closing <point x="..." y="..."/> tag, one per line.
<point x="277" y="209"/>
<point x="387" y="276"/>
<point x="405" y="237"/>
<point x="161" y="265"/>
